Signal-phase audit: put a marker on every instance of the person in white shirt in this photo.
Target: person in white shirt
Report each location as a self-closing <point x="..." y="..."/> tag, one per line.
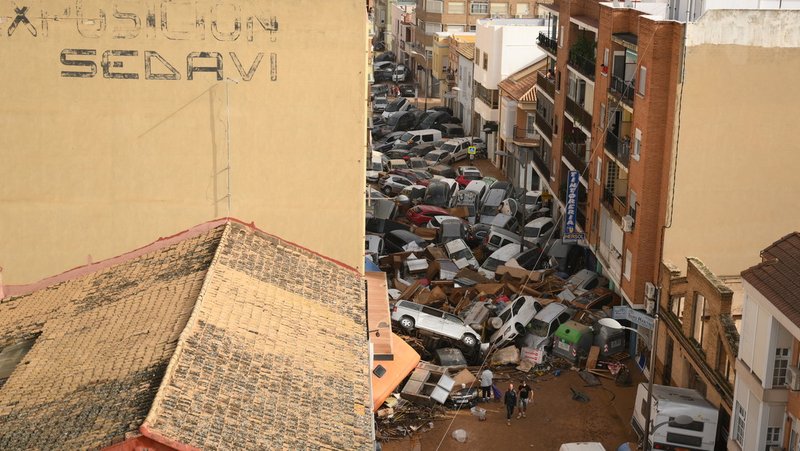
<point x="486" y="384"/>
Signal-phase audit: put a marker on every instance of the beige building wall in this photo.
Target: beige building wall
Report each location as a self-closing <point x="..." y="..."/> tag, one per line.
<point x="102" y="157"/>
<point x="737" y="161"/>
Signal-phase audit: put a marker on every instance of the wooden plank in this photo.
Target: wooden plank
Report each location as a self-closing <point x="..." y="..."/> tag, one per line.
<point x="594" y="354"/>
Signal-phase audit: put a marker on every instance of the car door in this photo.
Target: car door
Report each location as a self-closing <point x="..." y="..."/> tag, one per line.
<point x="430" y="319"/>
<point x="452" y="326"/>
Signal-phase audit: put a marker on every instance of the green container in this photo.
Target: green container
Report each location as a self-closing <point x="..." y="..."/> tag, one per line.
<point x="573" y="341"/>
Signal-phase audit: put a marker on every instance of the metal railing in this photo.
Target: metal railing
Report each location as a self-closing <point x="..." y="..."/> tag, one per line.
<point x="579" y="114"/>
<point x="576" y="155"/>
<point x="547" y="43"/>
<point x="582" y="64"/>
<point x="488" y="96"/>
<point x="525" y="134"/>
<point x="615" y="204"/>
<point x="620" y="148"/>
<point x="547" y="84"/>
<point x="540" y="163"/>
<point x="544" y="125"/>
<point x="623" y="88"/>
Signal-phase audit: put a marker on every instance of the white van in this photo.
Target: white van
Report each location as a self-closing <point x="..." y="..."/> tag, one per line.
<point x="377" y="164"/>
<point x="413" y="137"/>
<point x="669" y="403"/>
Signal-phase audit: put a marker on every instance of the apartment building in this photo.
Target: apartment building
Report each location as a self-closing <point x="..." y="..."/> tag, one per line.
<point x="767" y="390"/>
<point x="462" y="50"/>
<point x="456" y="16"/>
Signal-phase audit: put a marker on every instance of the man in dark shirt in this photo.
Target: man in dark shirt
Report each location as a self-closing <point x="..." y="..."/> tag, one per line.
<point x="524" y="395"/>
<point x="511" y="402"/>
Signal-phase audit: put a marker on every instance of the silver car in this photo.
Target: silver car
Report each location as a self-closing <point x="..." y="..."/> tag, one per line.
<point x="411" y="315"/>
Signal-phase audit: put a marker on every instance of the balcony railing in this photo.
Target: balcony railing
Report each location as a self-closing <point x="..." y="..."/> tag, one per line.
<point x="539" y="161"/>
<point x="579" y="114"/>
<point x="547" y="84"/>
<point x="544" y="125"/>
<point x="620" y="148"/>
<point x="615" y="204"/>
<point x="547" y="43"/>
<point x="622" y="88"/>
<point x="523" y="134"/>
<point x="582" y="64"/>
<point x="488" y="96"/>
<point x="576" y="154"/>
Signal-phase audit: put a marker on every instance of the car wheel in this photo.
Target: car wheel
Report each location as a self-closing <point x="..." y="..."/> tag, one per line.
<point x="469" y="340"/>
<point x="407" y="323"/>
<point x="387" y="190"/>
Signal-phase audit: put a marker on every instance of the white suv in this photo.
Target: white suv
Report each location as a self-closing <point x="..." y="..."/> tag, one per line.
<point x="411" y="315"/>
<point x="515" y="316"/>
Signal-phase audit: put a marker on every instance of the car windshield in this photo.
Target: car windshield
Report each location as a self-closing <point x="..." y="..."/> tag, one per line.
<point x="433" y="156"/>
<point x="489" y="209"/>
<point x="472" y="176"/>
<point x="532" y="231"/>
<point x="436" y="195"/>
<point x="463" y="253"/>
<point x="394" y="106"/>
<point x="491" y="264"/>
<point x="377" y="166"/>
<point x="393" y="119"/>
<point x="449" y="147"/>
<point x="406" y="137"/>
<point x="422" y="175"/>
<point x="539" y="327"/>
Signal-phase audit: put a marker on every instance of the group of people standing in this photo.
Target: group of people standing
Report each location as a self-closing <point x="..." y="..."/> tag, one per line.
<point x="512" y="398"/>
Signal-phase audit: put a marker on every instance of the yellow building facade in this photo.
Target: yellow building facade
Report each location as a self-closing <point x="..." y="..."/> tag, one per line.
<point x="124" y="121"/>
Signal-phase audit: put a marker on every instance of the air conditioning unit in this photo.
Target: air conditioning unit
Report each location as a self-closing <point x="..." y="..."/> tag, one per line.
<point x="649" y="290"/>
<point x="793" y="378"/>
<point x="627" y="223"/>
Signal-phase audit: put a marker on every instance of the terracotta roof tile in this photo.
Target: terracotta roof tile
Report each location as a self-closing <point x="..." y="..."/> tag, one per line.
<point x="232" y="339"/>
<point x="777" y="277"/>
<point x="466" y="49"/>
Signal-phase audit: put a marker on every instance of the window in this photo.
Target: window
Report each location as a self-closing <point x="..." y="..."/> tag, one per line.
<point x="530" y="120"/>
<point x="477" y="55"/>
<point x="738" y="424"/>
<point x="794" y="437"/>
<point x="454" y="28"/>
<point x="602" y="122"/>
<point x="485" y="61"/>
<point x="500" y="9"/>
<point x="637" y="145"/>
<point x="432" y="27"/>
<point x="605" y="61"/>
<point x="561" y="37"/>
<point x="676" y="307"/>
<point x="773" y="436"/>
<point x="522" y="9"/>
<point x="632" y="204"/>
<point x="478" y="8"/>
<point x="455" y="8"/>
<point x="434" y="6"/>
<point x="779" y="369"/>
<point x="698" y="325"/>
<point x="642" y="80"/>
<point x="628" y="264"/>
<point x="12" y="354"/>
<point x="598" y="170"/>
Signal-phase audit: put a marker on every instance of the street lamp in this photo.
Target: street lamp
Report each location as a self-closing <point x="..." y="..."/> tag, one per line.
<point x="427" y="75"/>
<point x="614" y="324"/>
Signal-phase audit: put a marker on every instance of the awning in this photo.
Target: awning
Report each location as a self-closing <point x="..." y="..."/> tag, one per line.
<point x="392" y="371"/>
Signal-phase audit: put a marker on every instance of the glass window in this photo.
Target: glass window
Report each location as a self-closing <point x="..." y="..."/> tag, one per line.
<point x="485" y="61"/>
<point x="598" y="170"/>
<point x="478" y="8"/>
<point x="628" y="264"/>
<point x="738" y="424"/>
<point x="523" y="9"/>
<point x="632" y="204"/>
<point x="779" y="369"/>
<point x="455" y="8"/>
<point x="677" y="307"/>
<point x="637" y="145"/>
<point x="698" y="326"/>
<point x="498" y="8"/>
<point x="773" y="436"/>
<point x="642" y="80"/>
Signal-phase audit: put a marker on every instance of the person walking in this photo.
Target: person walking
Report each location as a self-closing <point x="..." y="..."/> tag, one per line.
<point x="524" y="395"/>
<point x="511" y="402"/>
<point x="486" y="384"/>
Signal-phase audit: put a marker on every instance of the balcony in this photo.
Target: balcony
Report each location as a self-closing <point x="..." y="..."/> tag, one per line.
<point x="544" y="125"/>
<point x="539" y="160"/>
<point x="579" y="115"/>
<point x="616" y="205"/>
<point x="620" y="148"/>
<point x="582" y="64"/>
<point x="547" y="84"/>
<point x="577" y="155"/>
<point x="548" y="44"/>
<point x="524" y="135"/>
<point x="487" y="96"/>
<point x="623" y="89"/>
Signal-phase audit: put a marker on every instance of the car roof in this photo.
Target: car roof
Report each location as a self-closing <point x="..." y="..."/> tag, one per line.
<point x="538" y="222"/>
<point x="462" y="244"/>
<point x="550" y="311"/>
<point x="511" y="250"/>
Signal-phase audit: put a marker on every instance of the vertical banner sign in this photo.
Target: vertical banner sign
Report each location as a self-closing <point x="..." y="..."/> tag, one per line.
<point x="571" y="233"/>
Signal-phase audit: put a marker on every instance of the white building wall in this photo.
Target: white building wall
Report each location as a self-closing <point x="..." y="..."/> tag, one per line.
<point x="510" y="45"/>
<point x="465" y="68"/>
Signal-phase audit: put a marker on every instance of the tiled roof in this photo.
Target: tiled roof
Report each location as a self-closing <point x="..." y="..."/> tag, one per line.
<point x="231" y="339"/>
<point x="521" y="88"/>
<point x="466" y="49"/>
<point x="777" y="277"/>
